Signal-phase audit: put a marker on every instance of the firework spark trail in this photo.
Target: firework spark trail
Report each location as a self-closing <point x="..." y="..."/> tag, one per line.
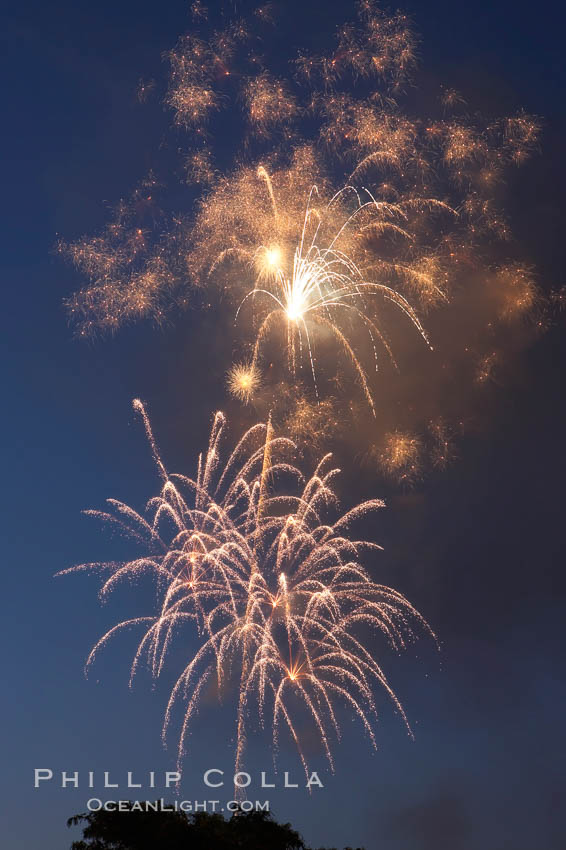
<point x="277" y="594"/>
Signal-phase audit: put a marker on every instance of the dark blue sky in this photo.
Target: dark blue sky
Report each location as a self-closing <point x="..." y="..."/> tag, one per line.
<point x="478" y="549"/>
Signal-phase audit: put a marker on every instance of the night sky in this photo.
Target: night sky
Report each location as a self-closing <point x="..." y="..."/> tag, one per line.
<point x="478" y="548"/>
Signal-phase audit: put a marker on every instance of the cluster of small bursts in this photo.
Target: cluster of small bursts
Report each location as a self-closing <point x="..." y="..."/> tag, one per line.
<point x="351" y="244"/>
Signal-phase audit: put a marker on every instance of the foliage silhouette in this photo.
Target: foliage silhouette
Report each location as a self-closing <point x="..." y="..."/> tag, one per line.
<point x="170" y="830"/>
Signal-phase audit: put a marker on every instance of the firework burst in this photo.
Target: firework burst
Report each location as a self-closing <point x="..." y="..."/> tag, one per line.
<point x="391" y="248"/>
<point x="324" y="283"/>
<point x="277" y="595"/>
<point x="244" y="380"/>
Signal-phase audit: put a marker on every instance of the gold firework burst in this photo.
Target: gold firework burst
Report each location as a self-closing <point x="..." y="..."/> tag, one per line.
<point x="275" y="591"/>
<point x="244" y="380"/>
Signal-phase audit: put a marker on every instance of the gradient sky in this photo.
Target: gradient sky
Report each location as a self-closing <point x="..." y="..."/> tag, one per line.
<point x="478" y="549"/>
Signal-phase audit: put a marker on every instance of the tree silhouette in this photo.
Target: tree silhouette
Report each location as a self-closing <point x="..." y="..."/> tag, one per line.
<point x="170" y="830"/>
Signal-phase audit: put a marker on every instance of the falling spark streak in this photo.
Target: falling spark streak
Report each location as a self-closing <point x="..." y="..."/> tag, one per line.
<point x="276" y="593"/>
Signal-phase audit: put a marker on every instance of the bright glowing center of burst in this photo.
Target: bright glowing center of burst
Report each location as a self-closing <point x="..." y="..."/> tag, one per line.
<point x="295" y="307"/>
<point x="273" y="257"/>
